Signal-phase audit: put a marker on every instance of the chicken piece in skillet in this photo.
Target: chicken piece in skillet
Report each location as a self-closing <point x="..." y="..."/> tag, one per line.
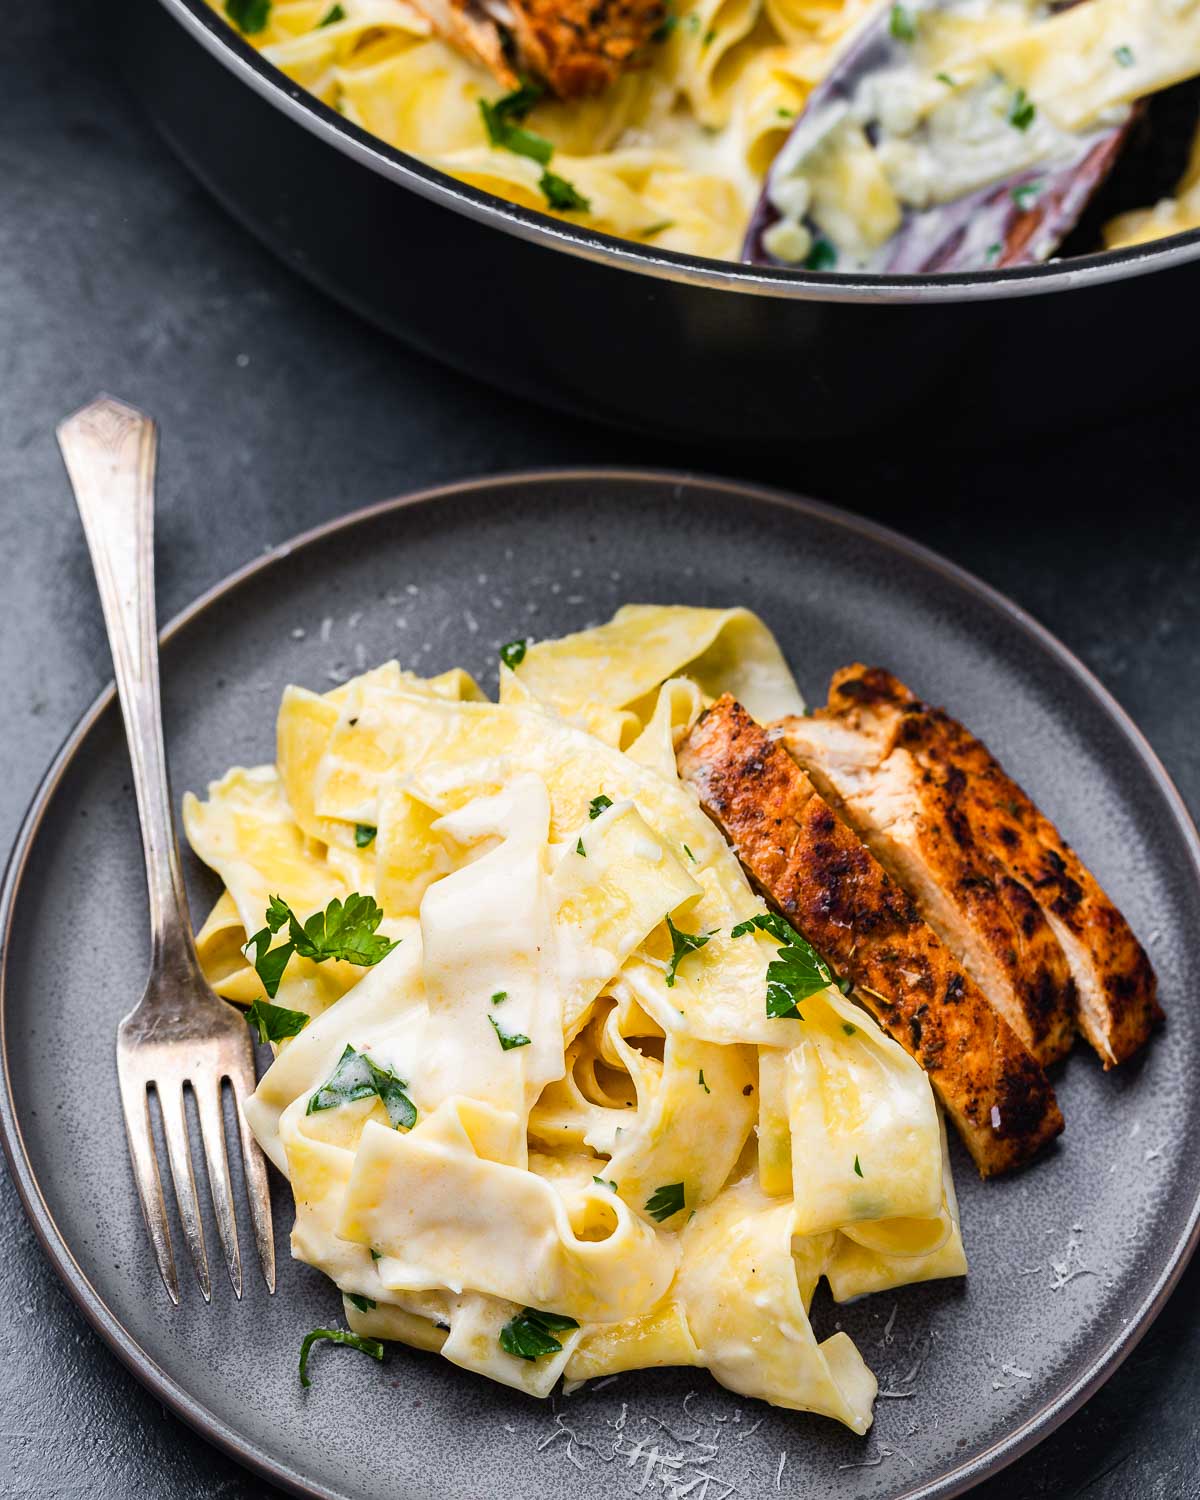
<point x="911" y="817"/>
<point x="1117" y="999"/>
<point x="570" y="47"/>
<point x="817" y="873"/>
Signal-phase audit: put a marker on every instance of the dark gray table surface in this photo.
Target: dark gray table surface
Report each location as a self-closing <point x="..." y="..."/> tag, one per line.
<point x="278" y="410"/>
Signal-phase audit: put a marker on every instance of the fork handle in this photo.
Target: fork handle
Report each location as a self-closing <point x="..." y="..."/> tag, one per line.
<point x="109" y="450"/>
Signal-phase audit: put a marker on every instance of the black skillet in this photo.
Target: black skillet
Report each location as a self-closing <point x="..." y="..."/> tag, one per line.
<point x="686" y="348"/>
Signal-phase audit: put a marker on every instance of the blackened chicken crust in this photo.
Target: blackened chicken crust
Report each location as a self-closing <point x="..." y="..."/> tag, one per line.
<point x="915" y="825"/>
<point x="1116" y="988"/>
<point x="814" y="870"/>
<point x="571" y="47"/>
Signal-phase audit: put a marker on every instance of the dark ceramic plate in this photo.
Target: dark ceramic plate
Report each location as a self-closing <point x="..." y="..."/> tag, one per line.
<point x="1069" y="1261"/>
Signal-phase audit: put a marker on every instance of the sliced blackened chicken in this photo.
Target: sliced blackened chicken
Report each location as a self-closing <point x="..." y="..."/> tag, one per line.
<point x="570" y="47"/>
<point x="1116" y="986"/>
<point x="910" y="816"/>
<point x="818" y="874"/>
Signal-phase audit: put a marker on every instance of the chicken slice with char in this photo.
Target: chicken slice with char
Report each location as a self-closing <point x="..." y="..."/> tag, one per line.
<point x="814" y="870"/>
<point x="571" y="47"/>
<point x="911" y="818"/>
<point x="1116" y="986"/>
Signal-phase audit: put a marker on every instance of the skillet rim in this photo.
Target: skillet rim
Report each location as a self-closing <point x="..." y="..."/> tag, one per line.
<point x="220" y="39"/>
<point x="104" y="1321"/>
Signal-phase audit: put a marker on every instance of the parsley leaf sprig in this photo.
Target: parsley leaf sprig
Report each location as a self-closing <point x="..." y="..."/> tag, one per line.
<point x="1021" y="110"/>
<point x="357" y="1077"/>
<point x="797" y="970"/>
<point x="530" y="1334"/>
<point x="512" y="653"/>
<point x="683" y="943"/>
<point x="903" y="24"/>
<point x="665" y="1202"/>
<point x="249" y="16"/>
<point x="563" y="195"/>
<point x="336" y="1336"/>
<point x="344" y="931"/>
<point x="275" y="1022"/>
<point x="508" y="1039"/>
<point x="503" y="119"/>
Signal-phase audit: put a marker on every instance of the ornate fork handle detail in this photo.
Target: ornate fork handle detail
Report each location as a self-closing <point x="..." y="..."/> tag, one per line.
<point x="110" y="451"/>
<point x="180" y="1037"/>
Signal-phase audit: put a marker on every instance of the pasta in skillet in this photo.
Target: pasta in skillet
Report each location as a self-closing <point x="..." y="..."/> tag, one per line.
<point x="563" y="1106"/>
<point x="672" y="154"/>
<point x="673" y="144"/>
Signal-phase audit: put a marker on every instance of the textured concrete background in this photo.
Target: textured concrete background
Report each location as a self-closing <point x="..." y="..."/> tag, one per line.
<point x="278" y="410"/>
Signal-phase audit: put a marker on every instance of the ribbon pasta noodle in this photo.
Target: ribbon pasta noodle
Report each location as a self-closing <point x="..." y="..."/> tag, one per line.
<point x="600" y="1123"/>
<point x="673" y="153"/>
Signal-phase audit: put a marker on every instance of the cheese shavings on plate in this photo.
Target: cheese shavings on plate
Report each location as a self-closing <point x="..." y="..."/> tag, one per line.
<point x="564" y="1104"/>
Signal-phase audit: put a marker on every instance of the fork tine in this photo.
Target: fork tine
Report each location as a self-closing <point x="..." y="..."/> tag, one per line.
<point x="258" y="1193"/>
<point x="212" y="1130"/>
<point x="170" y="1100"/>
<point x="135" y="1102"/>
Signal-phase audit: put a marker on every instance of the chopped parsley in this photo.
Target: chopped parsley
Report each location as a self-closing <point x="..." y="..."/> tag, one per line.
<point x="343" y="931"/>
<point x="375" y="1255"/>
<point x="682" y="943"/>
<point x="689" y="854"/>
<point x="1124" y="56"/>
<point x="710" y="37"/>
<point x="513" y="654"/>
<point x="845" y="984"/>
<point x="499" y="997"/>
<point x="598" y="805"/>
<point x="822" y="256"/>
<point x="666" y="26"/>
<point x="364" y="835"/>
<point x="849" y="1028"/>
<point x="1022" y="110"/>
<point x="508" y="1039"/>
<point x="502" y="120"/>
<point x="333" y="14"/>
<point x="658" y="228"/>
<point x="785" y="114"/>
<point x="946" y="79"/>
<point x="579" y="849"/>
<point x="364" y="1304"/>
<point x="274" y="1022"/>
<point x="530" y="1334"/>
<point x="563" y="195"/>
<point x="249" y="16"/>
<point x="357" y="1077"/>
<point x="664" y="1202"/>
<point x="1026" y="193"/>
<point x="702" y="1083"/>
<point x="797" y="970"/>
<point x="903" y="24"/>
<point x="994" y="250"/>
<point x="336" y="1336"/>
<point x="858" y="1171"/>
<point x="605" y="1182"/>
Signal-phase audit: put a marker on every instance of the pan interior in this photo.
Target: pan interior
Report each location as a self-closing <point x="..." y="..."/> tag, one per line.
<point x="1066" y="1259"/>
<point x="1075" y="271"/>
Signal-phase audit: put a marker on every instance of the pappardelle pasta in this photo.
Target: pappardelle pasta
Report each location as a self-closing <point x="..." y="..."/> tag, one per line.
<point x="555" y="1093"/>
<point x="956" y="136"/>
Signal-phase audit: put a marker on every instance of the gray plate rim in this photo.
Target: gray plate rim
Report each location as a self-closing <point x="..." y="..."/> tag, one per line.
<point x="105" y="1321"/>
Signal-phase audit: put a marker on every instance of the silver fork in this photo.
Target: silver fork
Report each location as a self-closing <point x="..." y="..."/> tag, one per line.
<point x="179" y="1034"/>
